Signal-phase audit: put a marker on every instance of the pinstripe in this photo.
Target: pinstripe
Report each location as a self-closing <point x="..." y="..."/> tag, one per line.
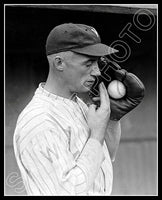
<point x="28" y="188"/>
<point x="56" y="181"/>
<point x="103" y="178"/>
<point x="48" y="145"/>
<point x="79" y="184"/>
<point x="27" y="113"/>
<point x="78" y="118"/>
<point x="29" y="135"/>
<point x="53" y="132"/>
<point x="83" y="109"/>
<point x="74" y="119"/>
<point x="52" y="119"/>
<point x="27" y="185"/>
<point x="82" y="143"/>
<point x="55" y="152"/>
<point x="39" y="160"/>
<point x="33" y="155"/>
<point x="54" y="113"/>
<point x="50" y="177"/>
<point x="29" y="177"/>
<point x="29" y="129"/>
<point x="34" y="117"/>
<point x="63" y="157"/>
<point x="39" y="182"/>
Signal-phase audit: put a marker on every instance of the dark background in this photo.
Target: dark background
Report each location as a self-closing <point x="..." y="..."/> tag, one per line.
<point x="26" y="30"/>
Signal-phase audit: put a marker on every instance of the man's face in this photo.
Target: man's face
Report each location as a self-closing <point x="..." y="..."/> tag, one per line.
<point x="80" y="72"/>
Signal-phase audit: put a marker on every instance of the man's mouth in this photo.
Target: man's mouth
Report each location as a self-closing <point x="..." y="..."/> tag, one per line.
<point x="89" y="83"/>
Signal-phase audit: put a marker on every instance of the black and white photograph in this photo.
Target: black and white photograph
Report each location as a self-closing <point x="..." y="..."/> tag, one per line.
<point x="80" y="99"/>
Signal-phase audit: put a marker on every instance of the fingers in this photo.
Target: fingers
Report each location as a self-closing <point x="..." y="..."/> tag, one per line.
<point x="106" y="93"/>
<point x="104" y="97"/>
<point x="102" y="93"/>
<point x="120" y="74"/>
<point x="115" y="65"/>
<point x="96" y="98"/>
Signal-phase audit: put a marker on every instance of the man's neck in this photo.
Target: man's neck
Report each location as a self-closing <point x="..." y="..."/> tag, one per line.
<point x="57" y="87"/>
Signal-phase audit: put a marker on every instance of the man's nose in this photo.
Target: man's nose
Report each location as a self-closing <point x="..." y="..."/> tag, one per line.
<point x="96" y="70"/>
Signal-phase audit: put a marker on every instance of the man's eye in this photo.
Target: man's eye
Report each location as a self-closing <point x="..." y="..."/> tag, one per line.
<point x="89" y="64"/>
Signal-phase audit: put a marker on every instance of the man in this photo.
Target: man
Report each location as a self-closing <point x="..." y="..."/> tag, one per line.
<point x="62" y="146"/>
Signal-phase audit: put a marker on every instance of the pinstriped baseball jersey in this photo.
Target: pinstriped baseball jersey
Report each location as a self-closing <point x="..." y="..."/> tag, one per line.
<point x="54" y="152"/>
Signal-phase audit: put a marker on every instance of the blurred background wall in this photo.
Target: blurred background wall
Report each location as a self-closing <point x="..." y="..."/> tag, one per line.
<point x="26" y="30"/>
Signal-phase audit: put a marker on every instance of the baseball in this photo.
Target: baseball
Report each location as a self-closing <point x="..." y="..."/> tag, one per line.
<point x="116" y="89"/>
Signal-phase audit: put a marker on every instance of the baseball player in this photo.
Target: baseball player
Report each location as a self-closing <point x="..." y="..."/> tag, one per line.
<point x="62" y="146"/>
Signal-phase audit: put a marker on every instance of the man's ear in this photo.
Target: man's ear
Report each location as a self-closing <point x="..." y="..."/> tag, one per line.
<point x="58" y="62"/>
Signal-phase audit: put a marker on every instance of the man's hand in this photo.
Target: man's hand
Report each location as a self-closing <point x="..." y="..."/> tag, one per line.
<point x="98" y="118"/>
<point x="134" y="91"/>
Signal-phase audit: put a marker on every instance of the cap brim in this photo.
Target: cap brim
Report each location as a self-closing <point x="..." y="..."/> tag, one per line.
<point x="98" y="49"/>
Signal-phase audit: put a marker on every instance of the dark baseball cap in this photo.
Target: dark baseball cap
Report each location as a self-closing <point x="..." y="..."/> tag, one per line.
<point x="78" y="38"/>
